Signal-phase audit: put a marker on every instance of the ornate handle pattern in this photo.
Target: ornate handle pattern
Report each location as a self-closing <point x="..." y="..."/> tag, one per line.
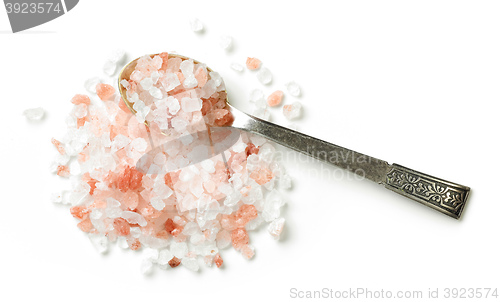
<point x="444" y="196"/>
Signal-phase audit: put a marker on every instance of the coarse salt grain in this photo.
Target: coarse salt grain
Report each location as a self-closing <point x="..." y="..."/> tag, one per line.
<point x="274" y="99"/>
<point x="253" y="63"/>
<point x="264" y="76"/>
<point x="196" y="25"/>
<point x="226" y="42"/>
<point x="292" y="111"/>
<point x="293" y="88"/>
<point x="34" y="114"/>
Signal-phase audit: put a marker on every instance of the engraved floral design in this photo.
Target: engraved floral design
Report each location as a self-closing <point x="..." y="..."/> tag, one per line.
<point x="447" y="197"/>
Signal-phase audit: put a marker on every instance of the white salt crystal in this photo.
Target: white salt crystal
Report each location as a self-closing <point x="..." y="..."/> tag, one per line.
<point x="191" y="263"/>
<point x="186" y="175"/>
<point x="264" y="76"/>
<point x="256" y="95"/>
<point x="196" y="25"/>
<point x="122" y="243"/>
<point x="285" y="181"/>
<point x="34" y="114"/>
<point x="293" y="88"/>
<point x="237" y="67"/>
<point x="135" y="232"/>
<point x="261" y="113"/>
<point x="179" y="249"/>
<point x="146" y="266"/>
<point x="90" y="84"/>
<point x="215" y="76"/>
<point x="191" y="104"/>
<point x="151" y="254"/>
<point x="272" y="206"/>
<point x="170" y="81"/>
<point x="190" y="81"/>
<point x="292" y="111"/>
<point x="109" y="67"/>
<point x="276" y="227"/>
<point x="56" y="197"/>
<point x="155" y="92"/>
<point x="173" y="105"/>
<point x="254" y="223"/>
<point x="179" y="123"/>
<point x="157" y="203"/>
<point x="164" y="257"/>
<point x="134" y="218"/>
<point x="99" y="241"/>
<point x="147" y="83"/>
<point x="160" y="159"/>
<point x="125" y="84"/>
<point x="80" y="110"/>
<point x="117" y="56"/>
<point x="139" y="144"/>
<point x="226" y="42"/>
<point x="187" y="67"/>
<point x="208" y="165"/>
<point x="155" y="76"/>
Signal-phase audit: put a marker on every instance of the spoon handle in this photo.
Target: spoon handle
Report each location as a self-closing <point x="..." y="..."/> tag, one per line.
<point x="444" y="196"/>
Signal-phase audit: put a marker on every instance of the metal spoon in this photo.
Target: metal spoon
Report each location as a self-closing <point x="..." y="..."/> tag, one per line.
<point x="446" y="197"/>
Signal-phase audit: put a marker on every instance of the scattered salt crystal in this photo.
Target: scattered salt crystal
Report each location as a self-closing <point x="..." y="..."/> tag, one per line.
<point x="117" y="56"/>
<point x="187" y="67"/>
<point x="276" y="227"/>
<point x="164" y="257"/>
<point x="292" y="111"/>
<point x="272" y="206"/>
<point x="236" y="67"/>
<point x="151" y="254"/>
<point x="293" y="88"/>
<point x="34" y="114"/>
<point x="157" y="203"/>
<point x="196" y="25"/>
<point x="253" y="63"/>
<point x="109" y="67"/>
<point x="262" y="113"/>
<point x="191" y="263"/>
<point x="274" y="99"/>
<point x="285" y="182"/>
<point x="100" y="242"/>
<point x="90" y="84"/>
<point x="122" y="243"/>
<point x="226" y="42"/>
<point x="264" y="76"/>
<point x="146" y="267"/>
<point x="170" y="81"/>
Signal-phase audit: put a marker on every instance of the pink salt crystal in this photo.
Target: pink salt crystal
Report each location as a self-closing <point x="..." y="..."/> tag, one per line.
<point x="218" y="260"/>
<point x="244" y="214"/>
<point x="201" y="76"/>
<point x="63" y="171"/>
<point x="79" y="212"/>
<point x="121" y="226"/>
<point x="239" y="238"/>
<point x="247" y="251"/>
<point x="251" y="149"/>
<point x="81" y="121"/>
<point x="130" y="179"/>
<point x="164" y="57"/>
<point x="80" y="99"/>
<point x="174" y="262"/>
<point x="59" y="146"/>
<point x="104" y="91"/>
<point x="135" y="244"/>
<point x="253" y="63"/>
<point x="274" y="99"/>
<point x="85" y="225"/>
<point x="261" y="175"/>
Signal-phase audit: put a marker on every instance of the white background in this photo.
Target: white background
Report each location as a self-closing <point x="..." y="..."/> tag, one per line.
<point x="412" y="82"/>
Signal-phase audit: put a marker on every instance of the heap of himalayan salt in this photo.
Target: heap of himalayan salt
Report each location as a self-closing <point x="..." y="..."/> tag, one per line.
<point x="180" y="212"/>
